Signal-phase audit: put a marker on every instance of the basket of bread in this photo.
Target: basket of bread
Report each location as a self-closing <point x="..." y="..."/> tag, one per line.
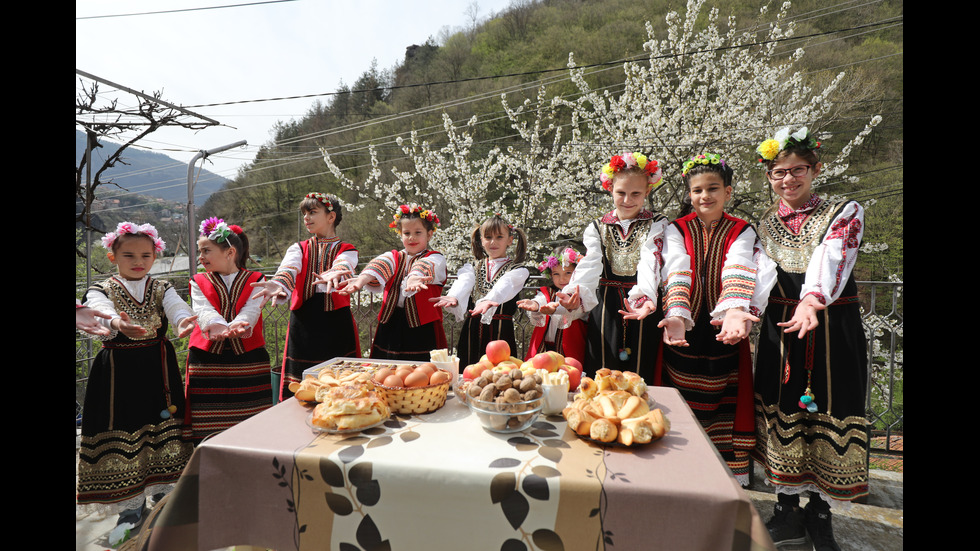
<point x="613" y="408"/>
<point x="412" y="389"/>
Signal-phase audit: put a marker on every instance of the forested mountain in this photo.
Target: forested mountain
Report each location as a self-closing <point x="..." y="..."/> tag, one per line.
<point x="148" y="173"/>
<point x="518" y="60"/>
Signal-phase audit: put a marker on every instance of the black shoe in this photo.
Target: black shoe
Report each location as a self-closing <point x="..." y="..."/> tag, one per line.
<point x="818" y="526"/>
<point x="786" y="525"/>
<point x="131" y="516"/>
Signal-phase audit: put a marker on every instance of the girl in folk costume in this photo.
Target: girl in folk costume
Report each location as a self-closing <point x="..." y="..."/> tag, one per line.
<point x="485" y="292"/>
<point x="132" y="442"/>
<point x="548" y="316"/>
<point x="308" y="277"/>
<point x="227" y="364"/>
<point x="616" y="244"/>
<point x="811" y="362"/>
<point x="709" y="267"/>
<point x="408" y="324"/>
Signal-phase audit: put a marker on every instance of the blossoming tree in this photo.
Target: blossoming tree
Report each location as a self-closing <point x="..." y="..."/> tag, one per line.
<point x="700" y="89"/>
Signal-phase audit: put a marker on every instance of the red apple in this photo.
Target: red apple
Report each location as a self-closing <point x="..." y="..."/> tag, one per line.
<point x="574" y="375"/>
<point x="545" y="361"/>
<point x="574" y="362"/>
<point x="498" y="351"/>
<point x="473" y="371"/>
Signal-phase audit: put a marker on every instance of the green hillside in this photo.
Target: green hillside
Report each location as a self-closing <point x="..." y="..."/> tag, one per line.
<point x="466" y="82"/>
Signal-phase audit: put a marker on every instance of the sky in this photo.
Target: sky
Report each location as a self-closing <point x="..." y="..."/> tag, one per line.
<point x="244" y="50"/>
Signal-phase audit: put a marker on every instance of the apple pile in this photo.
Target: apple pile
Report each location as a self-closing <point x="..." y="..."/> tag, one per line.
<point x="498" y="359"/>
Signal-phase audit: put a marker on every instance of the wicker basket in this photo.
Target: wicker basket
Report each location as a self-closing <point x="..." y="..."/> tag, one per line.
<point x="423" y="399"/>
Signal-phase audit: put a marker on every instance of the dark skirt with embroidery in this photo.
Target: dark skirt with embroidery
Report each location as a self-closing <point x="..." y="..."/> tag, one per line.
<point x="397" y="340"/>
<point x="616" y="343"/>
<point x="715" y="380"/>
<point x="314" y="336"/>
<point x="224" y="389"/>
<point x="128" y="449"/>
<point x="475" y="335"/>
<point x="825" y="450"/>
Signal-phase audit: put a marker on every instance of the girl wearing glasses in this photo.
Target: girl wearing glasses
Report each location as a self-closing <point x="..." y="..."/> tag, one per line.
<point x="810" y="378"/>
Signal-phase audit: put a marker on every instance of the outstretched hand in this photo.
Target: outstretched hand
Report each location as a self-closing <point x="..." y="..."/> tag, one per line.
<point x="334" y="278"/>
<point x="646" y="308"/>
<point x="804" y="317"/>
<point x="267" y="290"/>
<point x="674" y="331"/>
<point x="416" y="283"/>
<point x="481" y="307"/>
<point x="444" y="302"/>
<point x="126" y="326"/>
<point x="569" y="302"/>
<point x="87" y="319"/>
<point x="736" y="325"/>
<point x="352" y="286"/>
<point x="185" y="326"/>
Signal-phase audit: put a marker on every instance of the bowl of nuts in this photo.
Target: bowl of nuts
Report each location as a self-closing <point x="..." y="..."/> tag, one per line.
<point x="505" y="401"/>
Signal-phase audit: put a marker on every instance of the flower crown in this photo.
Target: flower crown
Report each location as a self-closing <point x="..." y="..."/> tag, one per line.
<point x="629" y="160"/>
<point x="217" y="230"/>
<point x="129" y="227"/>
<point x="423" y="213"/>
<point x="702" y="159"/>
<point x="567" y="257"/>
<point x="802" y="138"/>
<point x="325" y="198"/>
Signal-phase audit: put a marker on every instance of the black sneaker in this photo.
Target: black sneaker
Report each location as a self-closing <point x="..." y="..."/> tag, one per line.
<point x="131" y="516"/>
<point x="127" y="526"/>
<point x="786" y="525"/>
<point x="818" y="526"/>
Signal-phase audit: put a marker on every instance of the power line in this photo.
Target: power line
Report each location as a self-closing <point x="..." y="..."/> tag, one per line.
<point x="353" y="149"/>
<point x="182" y="10"/>
<point x="545" y="71"/>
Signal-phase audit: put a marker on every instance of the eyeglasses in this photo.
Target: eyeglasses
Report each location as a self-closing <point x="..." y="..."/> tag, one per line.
<point x="780" y="173"/>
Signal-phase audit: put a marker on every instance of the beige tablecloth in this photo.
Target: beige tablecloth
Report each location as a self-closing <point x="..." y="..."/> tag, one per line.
<point x="440" y="481"/>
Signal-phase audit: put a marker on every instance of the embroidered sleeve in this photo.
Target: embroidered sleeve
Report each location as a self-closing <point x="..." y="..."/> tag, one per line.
<point x="381" y="268"/>
<point x="587" y="273"/>
<point x="738" y="275"/>
<point x="292" y="263"/>
<point x="431" y="268"/>
<point x="833" y="260"/>
<point x="676" y="273"/>
<point x="346" y="260"/>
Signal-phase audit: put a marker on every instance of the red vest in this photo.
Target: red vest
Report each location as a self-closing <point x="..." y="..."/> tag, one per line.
<point x="710" y="262"/>
<point x="228" y="303"/>
<point x="418" y="308"/>
<point x="308" y="273"/>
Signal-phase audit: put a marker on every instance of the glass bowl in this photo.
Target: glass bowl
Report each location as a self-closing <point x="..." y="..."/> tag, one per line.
<point x="506" y="417"/>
